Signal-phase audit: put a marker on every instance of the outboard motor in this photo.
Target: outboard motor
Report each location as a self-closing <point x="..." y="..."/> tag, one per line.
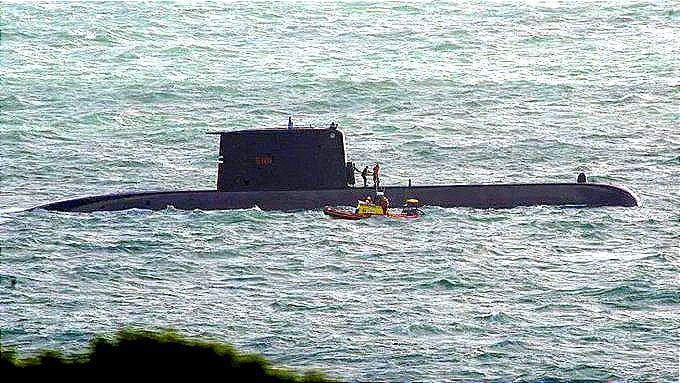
<point x="411" y="207"/>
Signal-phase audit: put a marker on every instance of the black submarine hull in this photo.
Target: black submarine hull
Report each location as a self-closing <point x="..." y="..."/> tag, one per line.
<point x="476" y="196"/>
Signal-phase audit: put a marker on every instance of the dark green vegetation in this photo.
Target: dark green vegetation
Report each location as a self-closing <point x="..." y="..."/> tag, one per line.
<point x="134" y="353"/>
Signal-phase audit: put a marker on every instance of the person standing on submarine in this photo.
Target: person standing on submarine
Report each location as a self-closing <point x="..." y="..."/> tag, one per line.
<point x="364" y="174"/>
<point x="376" y="176"/>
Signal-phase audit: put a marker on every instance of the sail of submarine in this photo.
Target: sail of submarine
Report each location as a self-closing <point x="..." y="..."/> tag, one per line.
<point x="306" y="168"/>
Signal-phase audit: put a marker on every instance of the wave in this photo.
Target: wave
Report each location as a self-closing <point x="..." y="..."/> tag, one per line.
<point x="496" y="317"/>
<point x="447" y="47"/>
<point x="444" y="284"/>
<point x="635" y="294"/>
<point x="626" y="99"/>
<point x="14" y="102"/>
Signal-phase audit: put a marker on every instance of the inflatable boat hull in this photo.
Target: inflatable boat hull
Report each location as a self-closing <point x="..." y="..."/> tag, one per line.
<point x="345" y="214"/>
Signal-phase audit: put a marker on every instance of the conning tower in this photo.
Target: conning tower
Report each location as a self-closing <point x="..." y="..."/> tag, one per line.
<point x="283" y="159"/>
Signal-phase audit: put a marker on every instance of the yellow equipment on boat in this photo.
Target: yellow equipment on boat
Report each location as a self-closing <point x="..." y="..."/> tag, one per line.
<point x="365" y="208"/>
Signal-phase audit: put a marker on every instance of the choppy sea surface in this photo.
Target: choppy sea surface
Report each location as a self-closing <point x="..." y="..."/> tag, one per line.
<point x="104" y="97"/>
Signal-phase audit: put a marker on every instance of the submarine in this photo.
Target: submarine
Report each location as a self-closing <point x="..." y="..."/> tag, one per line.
<point x="303" y="168"/>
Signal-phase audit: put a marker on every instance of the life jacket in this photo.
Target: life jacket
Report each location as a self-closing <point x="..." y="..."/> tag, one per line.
<point x="385" y="204"/>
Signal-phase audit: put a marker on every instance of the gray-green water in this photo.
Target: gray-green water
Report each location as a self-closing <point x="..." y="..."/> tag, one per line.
<point x="102" y="97"/>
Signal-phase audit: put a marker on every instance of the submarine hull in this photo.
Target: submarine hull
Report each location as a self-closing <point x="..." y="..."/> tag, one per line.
<point x="476" y="196"/>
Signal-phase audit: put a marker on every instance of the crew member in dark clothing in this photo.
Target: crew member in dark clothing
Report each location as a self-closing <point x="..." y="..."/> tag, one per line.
<point x="364" y="175"/>
<point x="376" y="175"/>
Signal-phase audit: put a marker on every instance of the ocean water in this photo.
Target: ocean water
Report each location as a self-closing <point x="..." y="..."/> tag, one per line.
<point x="104" y="97"/>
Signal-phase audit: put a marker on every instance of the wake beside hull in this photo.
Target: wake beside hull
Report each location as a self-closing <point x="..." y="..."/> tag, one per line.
<point x="476" y="196"/>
